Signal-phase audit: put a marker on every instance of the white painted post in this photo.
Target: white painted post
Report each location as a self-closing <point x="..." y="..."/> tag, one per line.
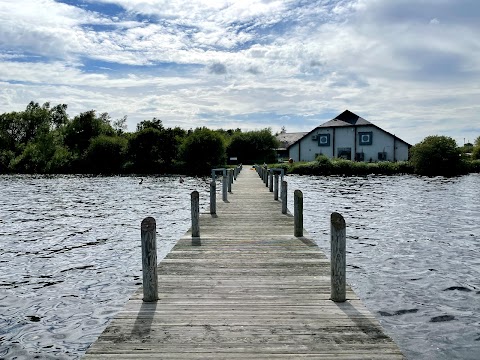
<point x="275" y="188"/>
<point x="195" y="201"/>
<point x="149" y="259"/>
<point x="284" y="197"/>
<point x="338" y="257"/>
<point x="213" y="197"/>
<point x="224" y="188"/>
<point x="298" y="213"/>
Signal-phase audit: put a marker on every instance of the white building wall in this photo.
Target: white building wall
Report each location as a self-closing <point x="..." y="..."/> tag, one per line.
<point x="293" y="152"/>
<point x="401" y="151"/>
<point x="348" y="137"/>
<point x="345" y="138"/>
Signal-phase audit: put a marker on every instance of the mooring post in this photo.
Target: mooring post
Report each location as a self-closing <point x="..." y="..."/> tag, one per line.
<point x="284" y="197"/>
<point x="338" y="257"/>
<point x="230" y="180"/>
<point x="270" y="180"/>
<point x="275" y="188"/>
<point x="149" y="259"/>
<point x="195" y="200"/>
<point x="235" y="173"/>
<point x="298" y="213"/>
<point x="213" y="197"/>
<point x="266" y="177"/>
<point x="224" y="188"/>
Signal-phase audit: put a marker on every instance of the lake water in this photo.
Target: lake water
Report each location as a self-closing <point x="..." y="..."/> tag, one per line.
<point x="70" y="254"/>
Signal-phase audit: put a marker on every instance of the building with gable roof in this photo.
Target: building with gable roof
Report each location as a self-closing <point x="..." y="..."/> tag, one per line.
<point x="350" y="137"/>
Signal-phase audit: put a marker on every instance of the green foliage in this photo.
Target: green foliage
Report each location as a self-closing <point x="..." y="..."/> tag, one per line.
<point x="202" y="150"/>
<point x="476" y="153"/>
<point x="325" y="166"/>
<point x="106" y="154"/>
<point x="474" y="166"/>
<point x="436" y="155"/>
<point x="253" y="146"/>
<point x="85" y="127"/>
<point x="476" y="149"/>
<point x="152" y="150"/>
<point x="150" y="124"/>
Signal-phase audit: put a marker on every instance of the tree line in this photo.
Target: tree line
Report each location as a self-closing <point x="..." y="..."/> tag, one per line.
<point x="43" y="139"/>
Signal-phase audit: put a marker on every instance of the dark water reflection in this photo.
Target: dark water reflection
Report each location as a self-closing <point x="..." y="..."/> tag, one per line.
<point x="70" y="254"/>
<point x="71" y="258"/>
<point x="413" y="254"/>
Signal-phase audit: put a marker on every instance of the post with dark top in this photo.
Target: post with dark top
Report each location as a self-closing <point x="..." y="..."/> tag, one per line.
<point x="284" y="197"/>
<point x="266" y="176"/>
<point x="195" y="200"/>
<point x="270" y="180"/>
<point x="275" y="188"/>
<point x="230" y="179"/>
<point x="224" y="188"/>
<point x="213" y="197"/>
<point x="298" y="213"/>
<point x="149" y="259"/>
<point x="338" y="257"/>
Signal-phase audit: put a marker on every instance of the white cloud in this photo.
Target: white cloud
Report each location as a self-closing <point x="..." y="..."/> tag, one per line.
<point x="392" y="62"/>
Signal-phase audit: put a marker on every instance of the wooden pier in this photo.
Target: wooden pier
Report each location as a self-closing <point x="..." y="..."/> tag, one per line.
<point x="251" y="290"/>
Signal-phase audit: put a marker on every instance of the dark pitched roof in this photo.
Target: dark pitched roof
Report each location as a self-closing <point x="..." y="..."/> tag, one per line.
<point x="347" y="118"/>
<point x="286" y="139"/>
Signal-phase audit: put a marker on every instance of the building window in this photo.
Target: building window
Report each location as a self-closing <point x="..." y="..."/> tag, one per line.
<point x="323" y="139"/>
<point x="344" y="153"/>
<point x="365" y="138"/>
<point x="360" y="156"/>
<point x="382" y="156"/>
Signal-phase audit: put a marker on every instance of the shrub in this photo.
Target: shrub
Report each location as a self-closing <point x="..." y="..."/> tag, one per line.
<point x="106" y="154"/>
<point x="436" y="155"/>
<point x="203" y="150"/>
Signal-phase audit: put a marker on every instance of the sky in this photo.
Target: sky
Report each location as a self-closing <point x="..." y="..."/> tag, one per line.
<point x="411" y="67"/>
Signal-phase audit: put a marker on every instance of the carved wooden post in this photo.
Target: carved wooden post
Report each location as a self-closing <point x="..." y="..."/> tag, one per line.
<point x="224" y="188"/>
<point x="213" y="197"/>
<point x="338" y="257"/>
<point x="275" y="188"/>
<point x="284" y="197"/>
<point x="298" y="213"/>
<point x="270" y="180"/>
<point x="195" y="200"/>
<point x="149" y="259"/>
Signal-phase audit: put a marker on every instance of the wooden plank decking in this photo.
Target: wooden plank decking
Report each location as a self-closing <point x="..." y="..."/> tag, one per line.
<point x="250" y="291"/>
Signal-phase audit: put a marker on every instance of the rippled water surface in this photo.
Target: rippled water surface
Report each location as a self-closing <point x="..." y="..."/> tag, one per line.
<point x="70" y="254"/>
<point x="413" y="254"/>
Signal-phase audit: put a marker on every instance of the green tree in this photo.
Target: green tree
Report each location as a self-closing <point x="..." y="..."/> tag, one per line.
<point x="106" y="154"/>
<point x="476" y="149"/>
<point x="253" y="146"/>
<point x="85" y="127"/>
<point x="202" y="150"/>
<point x="153" y="124"/>
<point x="152" y="150"/>
<point x="436" y="155"/>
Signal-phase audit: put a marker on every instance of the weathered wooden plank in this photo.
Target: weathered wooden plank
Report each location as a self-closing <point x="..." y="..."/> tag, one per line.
<point x="252" y="290"/>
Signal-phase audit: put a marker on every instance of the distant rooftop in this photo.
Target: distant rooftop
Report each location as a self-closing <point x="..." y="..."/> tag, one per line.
<point x="346" y="118"/>
<point x="287" y="139"/>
